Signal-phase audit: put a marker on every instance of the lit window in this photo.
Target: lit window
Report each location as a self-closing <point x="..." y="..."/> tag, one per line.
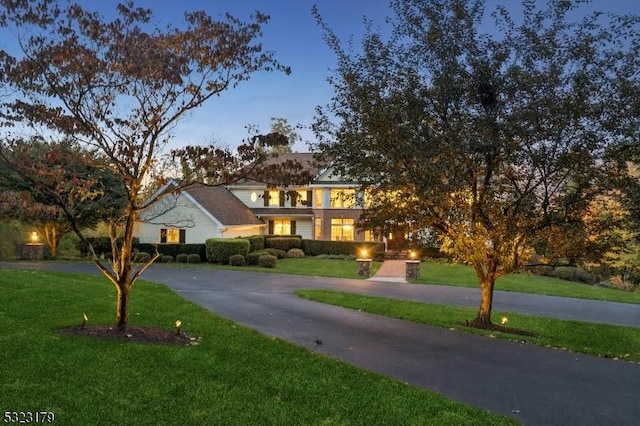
<point x="368" y="236"/>
<point x="318" y="228"/>
<point x="173" y="235"/>
<point x="282" y="227"/>
<point x="342" y="229"/>
<point x="318" y="196"/>
<point x="302" y="198"/>
<point x="274" y="198"/>
<point x="343" y="198"/>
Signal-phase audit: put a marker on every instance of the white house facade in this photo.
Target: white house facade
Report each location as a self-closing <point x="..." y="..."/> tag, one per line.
<point x="326" y="209"/>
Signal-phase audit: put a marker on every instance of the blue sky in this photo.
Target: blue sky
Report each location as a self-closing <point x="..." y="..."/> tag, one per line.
<point x="297" y="41"/>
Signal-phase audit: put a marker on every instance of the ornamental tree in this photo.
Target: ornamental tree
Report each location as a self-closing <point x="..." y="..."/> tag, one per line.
<point x="56" y="185"/>
<point x="487" y="139"/>
<point x="119" y="87"/>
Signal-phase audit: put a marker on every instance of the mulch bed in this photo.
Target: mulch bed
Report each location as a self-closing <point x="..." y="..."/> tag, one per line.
<point x="138" y="334"/>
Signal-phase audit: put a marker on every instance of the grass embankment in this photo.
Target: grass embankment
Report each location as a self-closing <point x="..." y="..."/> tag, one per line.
<point x="234" y="376"/>
<point x="337" y="268"/>
<point x="595" y="339"/>
<point x="464" y="276"/>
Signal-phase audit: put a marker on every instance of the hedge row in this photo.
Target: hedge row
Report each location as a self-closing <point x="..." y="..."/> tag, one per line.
<point x="282" y="243"/>
<point x="173" y="249"/>
<point x="101" y="245"/>
<point x="317" y="247"/>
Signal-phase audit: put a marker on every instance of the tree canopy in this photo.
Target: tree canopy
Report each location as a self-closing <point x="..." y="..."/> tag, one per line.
<point x="492" y="140"/>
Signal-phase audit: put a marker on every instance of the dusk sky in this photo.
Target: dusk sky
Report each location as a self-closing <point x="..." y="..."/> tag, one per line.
<point x="297" y="42"/>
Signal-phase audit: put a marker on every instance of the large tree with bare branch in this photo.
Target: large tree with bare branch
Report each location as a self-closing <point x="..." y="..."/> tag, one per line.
<point x="120" y="87"/>
<point x="492" y="140"/>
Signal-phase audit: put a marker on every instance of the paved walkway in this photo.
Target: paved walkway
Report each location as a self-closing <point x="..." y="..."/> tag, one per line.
<point x="391" y="271"/>
<point x="535" y="385"/>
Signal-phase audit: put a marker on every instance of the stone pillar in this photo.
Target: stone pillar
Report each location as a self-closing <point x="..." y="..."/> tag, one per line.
<point x="33" y="251"/>
<point x="364" y="267"/>
<point x="413" y="268"/>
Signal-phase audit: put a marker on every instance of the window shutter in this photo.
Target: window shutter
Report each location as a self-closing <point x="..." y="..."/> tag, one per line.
<point x="266" y="198"/>
<point x="294" y="198"/>
<point x="309" y="198"/>
<point x="183" y="236"/>
<point x="271" y="227"/>
<point x="282" y="198"/>
<point x="163" y="236"/>
<point x="293" y="227"/>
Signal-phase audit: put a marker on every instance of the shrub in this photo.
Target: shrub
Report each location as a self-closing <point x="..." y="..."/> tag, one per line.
<point x="102" y="245"/>
<point x="166" y="258"/>
<point x="237" y="260"/>
<point x="193" y="258"/>
<point x="256" y="243"/>
<point x="280" y="254"/>
<point x="565" y="273"/>
<point x="221" y="249"/>
<point x="316" y="247"/>
<point x="173" y="249"/>
<point x="182" y="257"/>
<point x="295" y="253"/>
<point x="252" y="258"/>
<point x="267" y="261"/>
<point x="141" y="257"/>
<point x="282" y="243"/>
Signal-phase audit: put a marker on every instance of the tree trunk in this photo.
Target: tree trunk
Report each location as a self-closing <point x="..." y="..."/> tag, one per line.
<point x="486" y="301"/>
<point x="122" y="312"/>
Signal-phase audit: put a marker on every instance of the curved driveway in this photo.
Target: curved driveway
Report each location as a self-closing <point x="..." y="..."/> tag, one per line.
<point x="535" y="385"/>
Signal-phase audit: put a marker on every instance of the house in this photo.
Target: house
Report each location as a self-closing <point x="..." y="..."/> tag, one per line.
<point x="193" y="215"/>
<point x="326" y="209"/>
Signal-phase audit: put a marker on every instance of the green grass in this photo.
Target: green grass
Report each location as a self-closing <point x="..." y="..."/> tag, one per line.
<point x="234" y="376"/>
<point x="338" y="268"/>
<point x="464" y="276"/>
<point x="595" y="339"/>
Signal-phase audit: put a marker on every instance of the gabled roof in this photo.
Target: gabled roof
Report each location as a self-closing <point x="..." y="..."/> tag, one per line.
<point x="223" y="205"/>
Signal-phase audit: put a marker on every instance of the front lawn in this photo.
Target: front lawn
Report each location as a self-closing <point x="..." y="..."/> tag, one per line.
<point x="233" y="376"/>
<point x="595" y="339"/>
<point x="464" y="276"/>
<point x="337" y="268"/>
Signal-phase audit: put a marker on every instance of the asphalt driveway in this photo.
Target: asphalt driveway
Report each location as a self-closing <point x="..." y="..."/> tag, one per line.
<point x="535" y="385"/>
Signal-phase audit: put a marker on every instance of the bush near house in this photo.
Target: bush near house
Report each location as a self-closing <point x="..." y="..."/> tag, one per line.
<point x="182" y="258"/>
<point x="173" y="249"/>
<point x="256" y="242"/>
<point x="141" y="257"/>
<point x="193" y="258"/>
<point x="267" y="261"/>
<point x="295" y="253"/>
<point x="237" y="260"/>
<point x="318" y="247"/>
<point x="102" y="245"/>
<point x="252" y="258"/>
<point x="219" y="250"/>
<point x="283" y="243"/>
<point x="277" y="253"/>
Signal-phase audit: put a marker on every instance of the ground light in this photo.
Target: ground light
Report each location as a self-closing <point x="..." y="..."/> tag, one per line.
<point x="364" y="263"/>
